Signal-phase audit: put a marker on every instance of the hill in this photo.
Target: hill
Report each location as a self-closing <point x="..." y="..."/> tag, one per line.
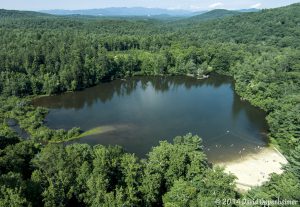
<point x="279" y="26"/>
<point x="19" y="14"/>
<point x="215" y="14"/>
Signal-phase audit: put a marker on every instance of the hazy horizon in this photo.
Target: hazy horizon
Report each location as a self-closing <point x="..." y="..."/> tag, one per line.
<point x="191" y="5"/>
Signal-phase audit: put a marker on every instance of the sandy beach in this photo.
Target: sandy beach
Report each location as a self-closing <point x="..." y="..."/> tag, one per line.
<point x="255" y="169"/>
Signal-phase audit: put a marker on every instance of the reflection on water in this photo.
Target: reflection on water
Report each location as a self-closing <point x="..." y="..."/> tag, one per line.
<point x="160" y="108"/>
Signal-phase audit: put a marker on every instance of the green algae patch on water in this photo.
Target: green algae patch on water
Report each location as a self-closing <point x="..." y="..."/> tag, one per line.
<point x="94" y="131"/>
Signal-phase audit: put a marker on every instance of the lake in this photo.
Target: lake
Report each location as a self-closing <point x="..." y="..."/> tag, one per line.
<point x="141" y="111"/>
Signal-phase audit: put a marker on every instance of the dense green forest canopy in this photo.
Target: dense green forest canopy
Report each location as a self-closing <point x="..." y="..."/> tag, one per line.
<point x="43" y="54"/>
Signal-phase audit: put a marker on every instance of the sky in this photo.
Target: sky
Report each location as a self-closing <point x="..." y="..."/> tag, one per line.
<point x="194" y="5"/>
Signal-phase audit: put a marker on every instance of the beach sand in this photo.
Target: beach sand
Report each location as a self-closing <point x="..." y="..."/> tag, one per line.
<point x="255" y="169"/>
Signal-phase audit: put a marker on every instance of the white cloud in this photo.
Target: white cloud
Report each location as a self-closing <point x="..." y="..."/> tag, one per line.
<point x="255" y="6"/>
<point x="214" y="5"/>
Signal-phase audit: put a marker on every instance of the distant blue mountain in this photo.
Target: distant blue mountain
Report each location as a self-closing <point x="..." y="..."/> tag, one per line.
<point x="134" y="11"/>
<point x="249" y="10"/>
<point x="121" y="11"/>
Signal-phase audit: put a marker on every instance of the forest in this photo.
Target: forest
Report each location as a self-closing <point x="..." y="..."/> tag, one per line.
<point x="44" y="54"/>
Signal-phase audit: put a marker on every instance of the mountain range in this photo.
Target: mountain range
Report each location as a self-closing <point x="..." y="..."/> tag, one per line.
<point x="134" y="11"/>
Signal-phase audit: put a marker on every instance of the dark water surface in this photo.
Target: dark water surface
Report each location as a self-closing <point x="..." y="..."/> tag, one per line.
<point x="144" y="110"/>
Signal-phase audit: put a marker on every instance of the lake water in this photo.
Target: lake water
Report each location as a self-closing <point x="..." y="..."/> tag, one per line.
<point x="141" y="111"/>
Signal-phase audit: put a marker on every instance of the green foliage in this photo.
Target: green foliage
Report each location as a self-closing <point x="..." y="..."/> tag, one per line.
<point x="107" y="176"/>
<point x="282" y="187"/>
<point x="16" y="158"/>
<point x="12" y="190"/>
<point x="202" y="190"/>
<point x="78" y="174"/>
<point x="182" y="193"/>
<point x="168" y="163"/>
<point x="294" y="162"/>
<point x="182" y="167"/>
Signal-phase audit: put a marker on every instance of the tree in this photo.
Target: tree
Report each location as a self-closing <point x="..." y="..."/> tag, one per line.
<point x="182" y="194"/>
<point x="12" y="190"/>
<point x="17" y="158"/>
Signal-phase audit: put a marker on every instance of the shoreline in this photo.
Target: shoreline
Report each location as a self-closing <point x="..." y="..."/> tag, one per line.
<point x="255" y="169"/>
